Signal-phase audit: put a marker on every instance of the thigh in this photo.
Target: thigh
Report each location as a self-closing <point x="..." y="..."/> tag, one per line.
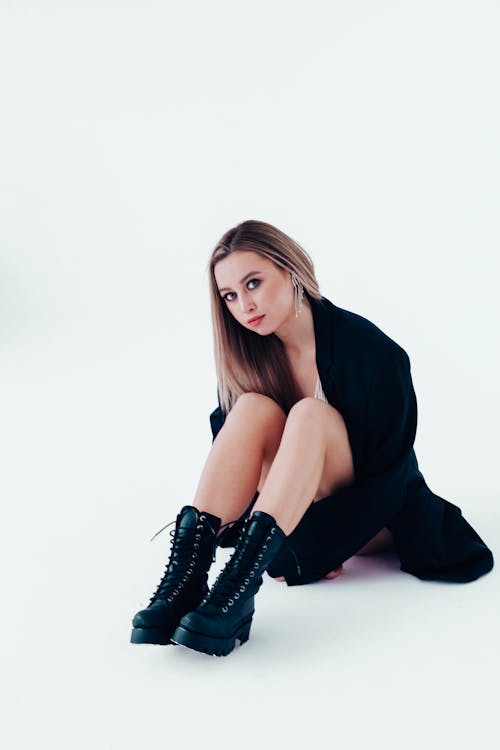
<point x="338" y="468"/>
<point x="272" y="420"/>
<point x="275" y="424"/>
<point x="384" y="539"/>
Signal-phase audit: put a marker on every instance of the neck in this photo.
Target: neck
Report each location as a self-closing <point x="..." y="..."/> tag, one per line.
<point x="297" y="334"/>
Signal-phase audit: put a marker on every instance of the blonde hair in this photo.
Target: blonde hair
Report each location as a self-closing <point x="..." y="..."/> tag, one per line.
<point x="246" y="362"/>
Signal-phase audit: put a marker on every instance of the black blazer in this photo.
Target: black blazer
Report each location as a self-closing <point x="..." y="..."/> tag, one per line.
<point x="366" y="375"/>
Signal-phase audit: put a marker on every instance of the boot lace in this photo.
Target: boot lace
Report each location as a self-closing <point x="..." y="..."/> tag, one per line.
<point x="240" y="570"/>
<point x="178" y="571"/>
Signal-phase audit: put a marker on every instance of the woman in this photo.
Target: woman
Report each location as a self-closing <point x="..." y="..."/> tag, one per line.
<point x="312" y="458"/>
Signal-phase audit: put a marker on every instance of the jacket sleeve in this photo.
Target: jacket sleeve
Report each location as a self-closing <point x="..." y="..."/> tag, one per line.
<point x="433" y="540"/>
<point x="217" y="419"/>
<point x="391" y="415"/>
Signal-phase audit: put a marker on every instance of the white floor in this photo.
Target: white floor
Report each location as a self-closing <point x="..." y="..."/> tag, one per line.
<point x="375" y="658"/>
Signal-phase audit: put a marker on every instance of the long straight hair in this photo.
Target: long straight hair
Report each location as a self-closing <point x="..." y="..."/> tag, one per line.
<point x="244" y="361"/>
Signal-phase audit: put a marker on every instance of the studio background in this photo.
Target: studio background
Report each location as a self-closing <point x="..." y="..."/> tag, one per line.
<point x="132" y="135"/>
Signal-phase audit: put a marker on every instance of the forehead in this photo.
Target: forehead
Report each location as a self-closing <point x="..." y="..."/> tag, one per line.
<point x="231" y="269"/>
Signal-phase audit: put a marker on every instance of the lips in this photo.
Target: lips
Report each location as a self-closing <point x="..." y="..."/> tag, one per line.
<point x="252" y="320"/>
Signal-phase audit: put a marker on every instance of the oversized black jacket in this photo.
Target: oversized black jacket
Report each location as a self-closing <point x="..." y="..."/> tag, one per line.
<point x="366" y="376"/>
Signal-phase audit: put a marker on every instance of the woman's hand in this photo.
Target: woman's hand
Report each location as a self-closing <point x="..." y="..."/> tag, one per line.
<point x="334" y="573"/>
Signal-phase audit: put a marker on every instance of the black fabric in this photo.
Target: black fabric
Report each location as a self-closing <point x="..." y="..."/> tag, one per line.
<point x="366" y="375"/>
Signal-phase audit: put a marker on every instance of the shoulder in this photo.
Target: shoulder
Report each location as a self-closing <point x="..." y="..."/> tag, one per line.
<point x="361" y="337"/>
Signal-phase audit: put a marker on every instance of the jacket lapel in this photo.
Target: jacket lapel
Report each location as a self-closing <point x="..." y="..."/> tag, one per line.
<point x="323" y="312"/>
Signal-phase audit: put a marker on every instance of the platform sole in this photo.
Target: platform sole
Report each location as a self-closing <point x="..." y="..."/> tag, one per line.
<point x="159" y="636"/>
<point x="210" y="644"/>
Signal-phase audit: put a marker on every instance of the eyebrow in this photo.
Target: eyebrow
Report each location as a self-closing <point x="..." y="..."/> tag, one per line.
<point x="251" y="273"/>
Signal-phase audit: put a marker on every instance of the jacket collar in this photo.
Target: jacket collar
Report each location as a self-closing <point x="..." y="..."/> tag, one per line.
<point x="323" y="312"/>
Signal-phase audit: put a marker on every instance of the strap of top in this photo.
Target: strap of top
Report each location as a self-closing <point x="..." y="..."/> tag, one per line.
<point x="319" y="393"/>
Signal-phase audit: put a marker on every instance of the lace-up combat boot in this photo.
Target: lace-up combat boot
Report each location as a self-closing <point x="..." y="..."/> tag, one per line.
<point x="184" y="583"/>
<point x="226" y="612"/>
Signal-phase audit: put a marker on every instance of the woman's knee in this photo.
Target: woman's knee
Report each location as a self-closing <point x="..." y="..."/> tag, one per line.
<point x="313" y="410"/>
<point x="313" y="415"/>
<point x="258" y="406"/>
<point x="256" y="409"/>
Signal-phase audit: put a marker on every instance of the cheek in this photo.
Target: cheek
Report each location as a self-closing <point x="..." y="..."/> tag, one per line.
<point x="276" y="302"/>
<point x="269" y="298"/>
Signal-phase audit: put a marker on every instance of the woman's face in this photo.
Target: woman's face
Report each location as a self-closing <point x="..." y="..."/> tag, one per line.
<point x="252" y="285"/>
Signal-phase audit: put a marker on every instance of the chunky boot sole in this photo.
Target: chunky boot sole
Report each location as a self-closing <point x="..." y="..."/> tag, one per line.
<point x="209" y="644"/>
<point x="151" y="635"/>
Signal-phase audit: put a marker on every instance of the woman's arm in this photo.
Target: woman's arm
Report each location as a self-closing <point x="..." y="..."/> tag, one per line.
<point x="217" y="419"/>
<point x="391" y="413"/>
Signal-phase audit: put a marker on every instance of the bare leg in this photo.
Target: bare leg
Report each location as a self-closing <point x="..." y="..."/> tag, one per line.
<point x="337" y="468"/>
<point x="229" y="479"/>
<point x="300" y="463"/>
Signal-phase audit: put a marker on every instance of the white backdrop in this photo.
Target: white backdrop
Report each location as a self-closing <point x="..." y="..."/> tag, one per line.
<point x="132" y="135"/>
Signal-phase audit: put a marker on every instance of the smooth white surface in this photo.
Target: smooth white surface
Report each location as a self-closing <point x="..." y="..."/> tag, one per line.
<point x="132" y="136"/>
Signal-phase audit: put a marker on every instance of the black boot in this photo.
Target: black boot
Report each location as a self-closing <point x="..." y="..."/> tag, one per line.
<point x="184" y="583"/>
<point x="226" y="612"/>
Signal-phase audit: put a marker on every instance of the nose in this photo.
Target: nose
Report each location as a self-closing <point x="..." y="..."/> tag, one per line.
<point x="246" y="304"/>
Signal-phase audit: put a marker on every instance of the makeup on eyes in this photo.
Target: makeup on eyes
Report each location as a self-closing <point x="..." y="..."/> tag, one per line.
<point x="224" y="296"/>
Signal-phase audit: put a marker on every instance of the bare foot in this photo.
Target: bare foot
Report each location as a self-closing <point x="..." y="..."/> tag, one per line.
<point x="332" y="574"/>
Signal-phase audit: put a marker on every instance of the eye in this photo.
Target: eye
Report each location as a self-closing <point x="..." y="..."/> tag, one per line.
<point x="225" y="296"/>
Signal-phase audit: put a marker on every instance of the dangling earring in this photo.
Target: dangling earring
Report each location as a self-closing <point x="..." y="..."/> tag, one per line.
<point x="298" y="293"/>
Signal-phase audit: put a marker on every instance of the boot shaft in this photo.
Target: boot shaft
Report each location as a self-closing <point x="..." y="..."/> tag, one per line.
<point x="192" y="552"/>
<point x="225" y="614"/>
<point x="195" y="536"/>
<point x="259" y="541"/>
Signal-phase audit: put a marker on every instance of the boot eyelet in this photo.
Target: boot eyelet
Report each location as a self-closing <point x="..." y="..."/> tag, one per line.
<point x="256" y="565"/>
<point x="260" y="557"/>
<point x="265" y="546"/>
<point x="273" y="531"/>
<point x="169" y="599"/>
<point x="236" y="596"/>
<point x="224" y="609"/>
<point x="242" y="588"/>
<point x="202" y="518"/>
<point x="247" y="580"/>
<point x="252" y="573"/>
<point x="230" y="603"/>
<point x="268" y="539"/>
<point x="196" y="545"/>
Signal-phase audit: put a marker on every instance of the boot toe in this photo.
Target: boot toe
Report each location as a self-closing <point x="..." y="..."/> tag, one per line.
<point x="201" y="621"/>
<point x="152" y="617"/>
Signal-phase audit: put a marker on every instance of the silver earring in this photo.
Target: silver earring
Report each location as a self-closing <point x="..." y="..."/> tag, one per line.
<point x="298" y="293"/>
